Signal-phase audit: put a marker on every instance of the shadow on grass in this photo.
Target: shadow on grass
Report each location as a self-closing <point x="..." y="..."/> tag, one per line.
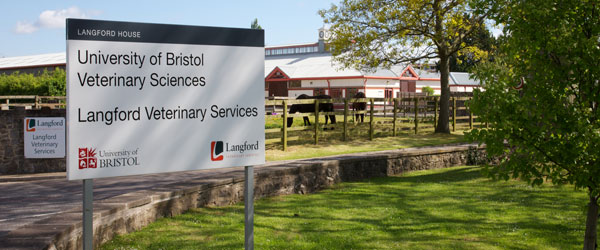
<point x="441" y="209"/>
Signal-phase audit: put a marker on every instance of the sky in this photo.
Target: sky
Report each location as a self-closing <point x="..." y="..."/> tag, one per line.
<point x="38" y="27"/>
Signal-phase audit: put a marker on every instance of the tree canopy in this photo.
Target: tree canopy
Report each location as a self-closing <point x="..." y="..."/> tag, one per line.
<point x="255" y="25"/>
<point x="368" y="34"/>
<point x="541" y="96"/>
<point x="479" y="47"/>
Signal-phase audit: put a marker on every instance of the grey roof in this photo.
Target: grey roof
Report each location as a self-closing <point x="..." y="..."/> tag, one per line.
<point x="462" y="78"/>
<point x="318" y="65"/>
<point x="33" y="61"/>
<point x="428" y="74"/>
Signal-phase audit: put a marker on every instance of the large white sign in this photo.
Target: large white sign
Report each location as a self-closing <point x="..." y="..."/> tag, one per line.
<point x="152" y="98"/>
<point x="44" y="137"/>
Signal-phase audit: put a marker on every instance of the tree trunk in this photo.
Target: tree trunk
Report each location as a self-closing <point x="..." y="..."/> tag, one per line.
<point x="591" y="225"/>
<point x="444" y="118"/>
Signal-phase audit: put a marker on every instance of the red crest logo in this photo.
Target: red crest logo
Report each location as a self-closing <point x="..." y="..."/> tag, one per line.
<point x="87" y="158"/>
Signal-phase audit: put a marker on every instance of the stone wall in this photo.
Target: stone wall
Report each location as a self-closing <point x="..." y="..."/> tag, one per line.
<point x="12" y="159"/>
<point x="130" y="212"/>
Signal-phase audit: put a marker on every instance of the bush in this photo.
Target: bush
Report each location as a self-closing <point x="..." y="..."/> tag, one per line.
<point x="427" y="90"/>
<point x="46" y="84"/>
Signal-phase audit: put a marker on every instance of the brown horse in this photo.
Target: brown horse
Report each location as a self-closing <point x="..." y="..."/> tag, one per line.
<point x="310" y="108"/>
<point x="359" y="106"/>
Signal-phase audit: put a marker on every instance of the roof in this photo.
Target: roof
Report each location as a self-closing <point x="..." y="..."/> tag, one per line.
<point x="462" y="78"/>
<point x="320" y="65"/>
<point x="33" y="61"/>
<point x="426" y="74"/>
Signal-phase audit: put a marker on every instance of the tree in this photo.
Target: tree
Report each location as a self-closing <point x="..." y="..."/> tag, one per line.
<point x="255" y="25"/>
<point x="478" y="47"/>
<point x="367" y="34"/>
<point x="548" y="128"/>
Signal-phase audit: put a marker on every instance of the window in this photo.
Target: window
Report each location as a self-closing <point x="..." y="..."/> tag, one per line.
<point x="319" y="92"/>
<point x="295" y="84"/>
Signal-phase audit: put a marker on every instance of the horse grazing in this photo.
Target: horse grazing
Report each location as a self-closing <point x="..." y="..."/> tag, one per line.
<point x="310" y="108"/>
<point x="359" y="106"/>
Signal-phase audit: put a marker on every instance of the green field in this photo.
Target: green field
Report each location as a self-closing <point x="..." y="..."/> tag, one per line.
<point x="331" y="143"/>
<point x="454" y="208"/>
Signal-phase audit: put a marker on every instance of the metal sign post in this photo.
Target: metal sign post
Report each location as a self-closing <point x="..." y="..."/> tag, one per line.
<point x="249" y="207"/>
<point x="88" y="214"/>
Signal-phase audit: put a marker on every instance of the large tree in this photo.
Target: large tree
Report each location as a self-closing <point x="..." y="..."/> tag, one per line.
<point x="541" y="97"/>
<point x="367" y="34"/>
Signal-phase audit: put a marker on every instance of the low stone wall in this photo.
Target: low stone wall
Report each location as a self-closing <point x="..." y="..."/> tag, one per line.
<point x="12" y="153"/>
<point x="129" y="212"/>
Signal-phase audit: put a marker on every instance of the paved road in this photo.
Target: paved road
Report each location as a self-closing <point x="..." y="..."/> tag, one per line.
<point x="24" y="200"/>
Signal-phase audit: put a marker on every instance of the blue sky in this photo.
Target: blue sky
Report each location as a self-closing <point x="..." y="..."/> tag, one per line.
<point x="37" y="27"/>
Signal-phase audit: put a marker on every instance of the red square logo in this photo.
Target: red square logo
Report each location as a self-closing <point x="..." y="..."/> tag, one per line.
<point x="83" y="163"/>
<point x="92" y="162"/>
<point x="83" y="152"/>
<point x="87" y="158"/>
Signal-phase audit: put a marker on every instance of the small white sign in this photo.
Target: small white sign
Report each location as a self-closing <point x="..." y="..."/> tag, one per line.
<point x="44" y="137"/>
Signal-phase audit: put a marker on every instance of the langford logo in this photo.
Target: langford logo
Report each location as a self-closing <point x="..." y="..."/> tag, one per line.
<point x="87" y="158"/>
<point x="30" y="123"/>
<point x="216" y="151"/>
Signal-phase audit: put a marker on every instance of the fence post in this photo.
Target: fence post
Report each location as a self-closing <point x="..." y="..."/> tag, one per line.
<point x="37" y="102"/>
<point x="371" y="121"/>
<point x="470" y="117"/>
<point x="435" y="113"/>
<point x="284" y="133"/>
<point x="453" y="114"/>
<point x="416" y="115"/>
<point x="316" y="121"/>
<point x="395" y="114"/>
<point x="345" y="119"/>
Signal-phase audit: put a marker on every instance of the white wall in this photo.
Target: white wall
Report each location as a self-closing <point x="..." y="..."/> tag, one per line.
<point x="346" y="83"/>
<point x="314" y="83"/>
<point x="296" y="93"/>
<point x="383" y="83"/>
<point x="375" y="93"/>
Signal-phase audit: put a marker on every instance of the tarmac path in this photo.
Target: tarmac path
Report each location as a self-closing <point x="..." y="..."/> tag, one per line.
<point x="29" y="198"/>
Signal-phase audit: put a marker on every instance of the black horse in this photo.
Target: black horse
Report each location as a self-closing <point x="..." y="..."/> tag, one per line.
<point x="310" y="108"/>
<point x="359" y="106"/>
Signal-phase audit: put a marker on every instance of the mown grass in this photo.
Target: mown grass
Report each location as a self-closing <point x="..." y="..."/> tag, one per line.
<point x="331" y="143"/>
<point x="454" y="208"/>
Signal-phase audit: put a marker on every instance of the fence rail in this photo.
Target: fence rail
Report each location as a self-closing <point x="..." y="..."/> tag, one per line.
<point x="388" y="115"/>
<point x="32" y="101"/>
<point x="393" y="114"/>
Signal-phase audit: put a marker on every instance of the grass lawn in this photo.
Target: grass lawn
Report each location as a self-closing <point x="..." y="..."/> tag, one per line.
<point x="336" y="146"/>
<point x="454" y="208"/>
<point x="331" y="143"/>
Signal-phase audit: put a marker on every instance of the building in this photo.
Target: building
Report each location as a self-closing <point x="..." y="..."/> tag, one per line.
<point x="309" y="69"/>
<point x="292" y="70"/>
<point x="33" y="64"/>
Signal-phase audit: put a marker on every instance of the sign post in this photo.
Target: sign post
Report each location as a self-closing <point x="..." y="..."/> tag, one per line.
<point x="249" y="207"/>
<point x="88" y="214"/>
<point x="156" y="98"/>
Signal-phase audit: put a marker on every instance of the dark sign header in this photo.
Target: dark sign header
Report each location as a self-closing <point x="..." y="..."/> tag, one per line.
<point x="98" y="30"/>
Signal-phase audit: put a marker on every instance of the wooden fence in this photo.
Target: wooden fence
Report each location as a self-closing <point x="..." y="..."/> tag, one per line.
<point x="382" y="114"/>
<point x="32" y="101"/>
<point x="390" y="115"/>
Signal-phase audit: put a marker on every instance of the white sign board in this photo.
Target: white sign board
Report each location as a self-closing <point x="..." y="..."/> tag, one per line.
<point x="44" y="137"/>
<point x="153" y="98"/>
